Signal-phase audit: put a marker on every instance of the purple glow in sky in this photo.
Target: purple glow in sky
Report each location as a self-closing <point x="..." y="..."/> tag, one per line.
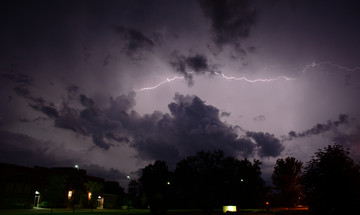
<point x="115" y="85"/>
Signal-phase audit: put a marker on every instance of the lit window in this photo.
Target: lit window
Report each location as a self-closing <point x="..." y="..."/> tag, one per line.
<point x="89" y="195"/>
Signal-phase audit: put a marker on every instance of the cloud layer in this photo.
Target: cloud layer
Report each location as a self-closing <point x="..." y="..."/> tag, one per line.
<point x="191" y="126"/>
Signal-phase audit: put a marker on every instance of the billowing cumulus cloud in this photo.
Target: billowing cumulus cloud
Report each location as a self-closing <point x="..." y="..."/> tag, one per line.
<point x="190" y="127"/>
<point x="103" y="125"/>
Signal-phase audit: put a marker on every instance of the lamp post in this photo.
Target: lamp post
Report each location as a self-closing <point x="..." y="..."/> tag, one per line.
<point x="128" y="198"/>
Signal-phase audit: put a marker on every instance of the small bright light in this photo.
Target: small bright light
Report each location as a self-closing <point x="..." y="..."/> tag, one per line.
<point x="230" y="208"/>
<point x="69" y="194"/>
<point x="242" y="180"/>
<point x="128" y="177"/>
<point x="168" y="183"/>
<point x="267" y="203"/>
<point x="89" y="195"/>
<point x="76" y="166"/>
<point x="99" y="197"/>
<point x="37" y="192"/>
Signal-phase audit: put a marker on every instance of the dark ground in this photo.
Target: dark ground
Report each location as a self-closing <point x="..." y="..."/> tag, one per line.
<point x="45" y="211"/>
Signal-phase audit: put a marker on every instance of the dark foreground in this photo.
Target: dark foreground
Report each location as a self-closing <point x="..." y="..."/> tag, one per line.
<point x="45" y="211"/>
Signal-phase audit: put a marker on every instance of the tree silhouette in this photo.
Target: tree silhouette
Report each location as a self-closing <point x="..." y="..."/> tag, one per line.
<point x="287" y="180"/>
<point x="206" y="180"/>
<point x="332" y="181"/>
<point x="154" y="184"/>
<point x="114" y="188"/>
<point x="209" y="180"/>
<point x="55" y="193"/>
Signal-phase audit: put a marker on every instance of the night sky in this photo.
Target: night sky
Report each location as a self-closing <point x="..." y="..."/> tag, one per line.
<point x="115" y="85"/>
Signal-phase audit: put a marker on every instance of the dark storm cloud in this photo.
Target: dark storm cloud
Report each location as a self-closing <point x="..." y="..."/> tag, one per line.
<point x="24" y="150"/>
<point x="321" y="127"/>
<point x="99" y="171"/>
<point x="85" y="101"/>
<point x="192" y="64"/>
<point x="37" y="103"/>
<point x="191" y="127"/>
<point x="17" y="81"/>
<point x="135" y="42"/>
<point x="22" y="91"/>
<point x="347" y="139"/>
<point x="47" y="110"/>
<point x="103" y="125"/>
<point x="90" y="121"/>
<point x="268" y="145"/>
<point x="156" y="148"/>
<point x="15" y="77"/>
<point x="231" y="20"/>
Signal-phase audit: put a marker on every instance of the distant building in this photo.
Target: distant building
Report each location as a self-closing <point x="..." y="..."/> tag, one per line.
<point x="25" y="187"/>
<point x="17" y="184"/>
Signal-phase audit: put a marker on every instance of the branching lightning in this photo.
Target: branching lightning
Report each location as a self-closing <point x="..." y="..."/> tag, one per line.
<point x="307" y="67"/>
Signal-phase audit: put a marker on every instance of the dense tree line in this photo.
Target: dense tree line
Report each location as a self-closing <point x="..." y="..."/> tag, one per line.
<point x="329" y="183"/>
<point x="206" y="180"/>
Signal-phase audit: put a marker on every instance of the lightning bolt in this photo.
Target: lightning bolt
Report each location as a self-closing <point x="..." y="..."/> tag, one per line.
<point x="330" y="64"/>
<point x="306" y="68"/>
<point x="256" y="80"/>
<point x="168" y="80"/>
